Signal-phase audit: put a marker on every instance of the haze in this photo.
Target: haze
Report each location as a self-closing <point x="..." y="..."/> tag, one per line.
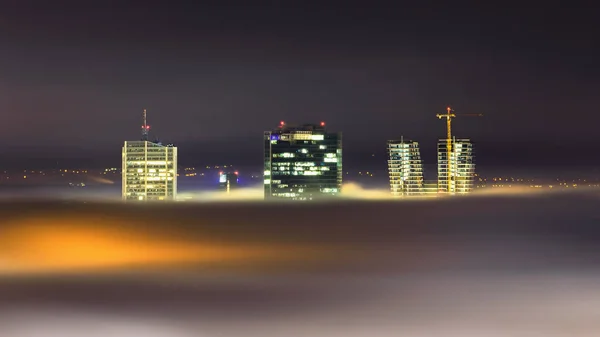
<point x="489" y="266"/>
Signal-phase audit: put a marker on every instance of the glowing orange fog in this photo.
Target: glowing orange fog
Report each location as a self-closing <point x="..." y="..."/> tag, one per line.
<point x="67" y="245"/>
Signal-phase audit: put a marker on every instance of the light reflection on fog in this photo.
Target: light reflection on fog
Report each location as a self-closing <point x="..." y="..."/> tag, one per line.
<point x="491" y="266"/>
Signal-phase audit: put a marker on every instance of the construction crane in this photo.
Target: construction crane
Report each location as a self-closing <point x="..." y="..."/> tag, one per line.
<point x="145" y="127"/>
<point x="449" y="115"/>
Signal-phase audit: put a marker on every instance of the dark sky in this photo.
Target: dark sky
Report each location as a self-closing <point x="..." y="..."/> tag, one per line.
<point x="75" y="75"/>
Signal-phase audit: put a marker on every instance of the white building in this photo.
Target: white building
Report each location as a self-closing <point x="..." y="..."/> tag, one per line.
<point x="462" y="167"/>
<point x="149" y="171"/>
<point x="405" y="168"/>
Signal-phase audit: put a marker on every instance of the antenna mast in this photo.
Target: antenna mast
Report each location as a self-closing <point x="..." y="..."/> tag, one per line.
<point x="145" y="126"/>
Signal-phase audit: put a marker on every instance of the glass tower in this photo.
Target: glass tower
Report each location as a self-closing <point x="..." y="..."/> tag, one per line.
<point x="405" y="168"/>
<point x="149" y="171"/>
<point x="302" y="162"/>
<point x="462" y="167"/>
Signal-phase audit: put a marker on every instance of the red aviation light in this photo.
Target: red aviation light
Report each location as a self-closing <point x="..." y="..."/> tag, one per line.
<point x="236" y="173"/>
<point x="322" y="123"/>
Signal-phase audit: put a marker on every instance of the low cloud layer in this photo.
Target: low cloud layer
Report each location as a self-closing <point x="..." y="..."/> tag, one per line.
<point x="485" y="267"/>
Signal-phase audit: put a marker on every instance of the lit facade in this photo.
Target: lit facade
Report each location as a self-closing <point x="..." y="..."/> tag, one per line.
<point x="149" y="171"/>
<point x="302" y="163"/>
<point x="462" y="167"/>
<point x="405" y="168"/>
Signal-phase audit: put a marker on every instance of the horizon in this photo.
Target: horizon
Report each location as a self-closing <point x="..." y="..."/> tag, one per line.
<point x="488" y="156"/>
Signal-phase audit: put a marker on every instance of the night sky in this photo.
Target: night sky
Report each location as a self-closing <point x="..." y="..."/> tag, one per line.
<point x="75" y="76"/>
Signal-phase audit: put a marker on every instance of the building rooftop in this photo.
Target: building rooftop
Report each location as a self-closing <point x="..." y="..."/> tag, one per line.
<point x="284" y="127"/>
<point x="141" y="143"/>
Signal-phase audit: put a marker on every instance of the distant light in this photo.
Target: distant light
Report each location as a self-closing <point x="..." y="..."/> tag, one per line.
<point x="221" y="172"/>
<point x="236" y="173"/>
<point x="322" y="123"/>
<point x="282" y="123"/>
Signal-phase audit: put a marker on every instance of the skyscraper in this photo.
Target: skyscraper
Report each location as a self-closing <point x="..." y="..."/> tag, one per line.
<point x="405" y="168"/>
<point x="462" y="167"/>
<point x="302" y="162"/>
<point x="149" y="171"/>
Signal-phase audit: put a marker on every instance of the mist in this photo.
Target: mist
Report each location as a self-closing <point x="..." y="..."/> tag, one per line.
<point x="351" y="191"/>
<point x="497" y="265"/>
<point x="357" y="192"/>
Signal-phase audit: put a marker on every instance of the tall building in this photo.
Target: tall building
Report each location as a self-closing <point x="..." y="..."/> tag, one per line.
<point x="405" y="168"/>
<point x="462" y="167"/>
<point x="228" y="181"/>
<point x="149" y="169"/>
<point x="302" y="162"/>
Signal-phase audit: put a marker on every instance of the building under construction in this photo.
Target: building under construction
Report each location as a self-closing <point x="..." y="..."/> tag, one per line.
<point x="456" y="168"/>
<point x="149" y="169"/>
<point x="405" y="168"/>
<point x="456" y="177"/>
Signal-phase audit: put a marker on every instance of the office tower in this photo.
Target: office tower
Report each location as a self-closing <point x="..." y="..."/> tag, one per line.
<point x="405" y="168"/>
<point x="149" y="169"/>
<point x="462" y="167"/>
<point x="228" y="181"/>
<point x="302" y="162"/>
